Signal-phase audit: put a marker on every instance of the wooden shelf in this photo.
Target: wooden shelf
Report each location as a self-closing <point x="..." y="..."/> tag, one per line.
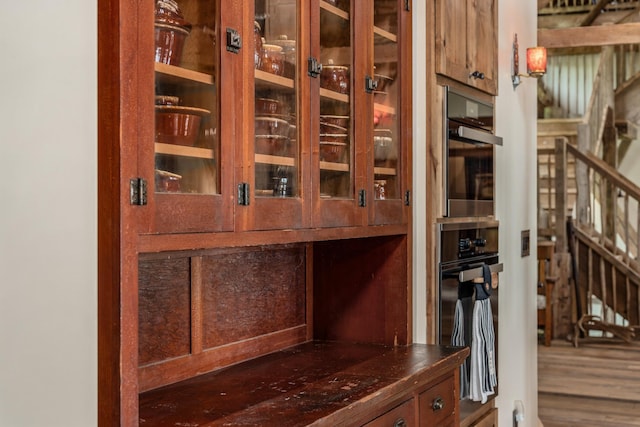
<point x="385" y="109"/>
<point x="385" y="171"/>
<point x="385" y="34"/>
<point x="184" y="151"/>
<point x="334" y="10"/>
<point x="275" y="160"/>
<point x="266" y="80"/>
<point x="336" y="167"/>
<point x="334" y="96"/>
<point x="180" y="75"/>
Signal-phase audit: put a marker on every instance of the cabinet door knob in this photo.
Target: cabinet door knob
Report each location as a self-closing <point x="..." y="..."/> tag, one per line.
<point x="438" y="404"/>
<point x="477" y="75"/>
<point x="400" y="422"/>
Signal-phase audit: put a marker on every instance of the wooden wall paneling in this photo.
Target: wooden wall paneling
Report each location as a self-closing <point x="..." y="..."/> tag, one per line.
<point x="231" y="304"/>
<point x="360" y="291"/>
<point x="164" y="310"/>
<point x="251" y="293"/>
<point x="309" y="290"/>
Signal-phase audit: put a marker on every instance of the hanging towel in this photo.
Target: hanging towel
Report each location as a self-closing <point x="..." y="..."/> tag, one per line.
<point x="482" y="374"/>
<point x="460" y="334"/>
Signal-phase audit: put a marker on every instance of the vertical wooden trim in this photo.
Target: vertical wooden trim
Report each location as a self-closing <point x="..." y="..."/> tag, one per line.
<point x="603" y="289"/>
<point x="627" y="283"/>
<point x="196" y="305"/>
<point x="309" y="291"/>
<point x="614" y="293"/>
<point x="627" y="237"/>
<point x="589" y="279"/>
<point x="582" y="177"/>
<point x="456" y="393"/>
<point x="561" y="168"/>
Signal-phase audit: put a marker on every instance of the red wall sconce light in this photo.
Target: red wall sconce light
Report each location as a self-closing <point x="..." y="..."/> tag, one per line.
<point x="536" y="62"/>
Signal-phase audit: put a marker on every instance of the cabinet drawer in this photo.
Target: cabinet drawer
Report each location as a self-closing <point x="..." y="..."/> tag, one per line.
<point x="490" y="419"/>
<point x="400" y="416"/>
<point x="438" y="404"/>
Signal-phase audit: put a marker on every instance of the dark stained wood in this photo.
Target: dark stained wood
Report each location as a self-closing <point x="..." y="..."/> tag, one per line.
<point x="328" y="383"/>
<point x="360" y="291"/>
<point x="164" y="310"/>
<point x="160" y="304"/>
<point x="190" y="241"/>
<point x="224" y="306"/>
<point x="405" y="412"/>
<point x="252" y="293"/>
<point x="444" y="392"/>
<point x="118" y="223"/>
<point x="174" y="370"/>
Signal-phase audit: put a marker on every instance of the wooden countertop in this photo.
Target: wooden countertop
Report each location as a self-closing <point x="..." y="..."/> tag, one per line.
<point x="318" y="382"/>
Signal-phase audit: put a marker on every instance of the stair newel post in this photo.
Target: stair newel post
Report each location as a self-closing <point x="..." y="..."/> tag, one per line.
<point x="561" y="208"/>
<point x="609" y="155"/>
<point x="582" y="176"/>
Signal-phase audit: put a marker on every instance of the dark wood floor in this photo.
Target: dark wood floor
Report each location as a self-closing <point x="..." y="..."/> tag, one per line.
<point x="595" y="385"/>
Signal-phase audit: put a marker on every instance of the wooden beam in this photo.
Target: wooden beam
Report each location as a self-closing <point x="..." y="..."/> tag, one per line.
<point x="604" y="35"/>
<point x="594" y="13"/>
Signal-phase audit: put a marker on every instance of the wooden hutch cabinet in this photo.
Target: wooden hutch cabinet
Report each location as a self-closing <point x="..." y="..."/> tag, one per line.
<point x="254" y="214"/>
<point x="466" y="42"/>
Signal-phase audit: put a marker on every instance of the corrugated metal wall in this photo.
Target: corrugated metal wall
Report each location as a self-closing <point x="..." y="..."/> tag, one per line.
<point x="569" y="80"/>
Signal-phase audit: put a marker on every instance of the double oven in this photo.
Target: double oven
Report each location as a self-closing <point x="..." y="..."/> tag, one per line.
<point x="468" y="235"/>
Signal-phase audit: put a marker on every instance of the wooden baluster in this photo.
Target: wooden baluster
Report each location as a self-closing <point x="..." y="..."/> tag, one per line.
<point x="627" y="241"/>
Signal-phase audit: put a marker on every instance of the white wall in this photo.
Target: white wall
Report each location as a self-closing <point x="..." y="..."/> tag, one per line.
<point x="516" y="208"/>
<point x="48" y="356"/>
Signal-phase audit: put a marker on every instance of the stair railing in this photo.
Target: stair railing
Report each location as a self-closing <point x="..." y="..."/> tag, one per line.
<point x="576" y="6"/>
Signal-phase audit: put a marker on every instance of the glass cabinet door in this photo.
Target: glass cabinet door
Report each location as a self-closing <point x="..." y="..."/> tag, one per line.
<point x="276" y="137"/>
<point x="275" y="34"/>
<point x="386" y="138"/>
<point x="338" y="185"/>
<point x="188" y="180"/>
<point x="336" y="147"/>
<point x="391" y="112"/>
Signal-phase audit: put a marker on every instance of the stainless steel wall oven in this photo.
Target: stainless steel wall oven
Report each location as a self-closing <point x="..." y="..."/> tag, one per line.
<point x="464" y="250"/>
<point x="469" y="150"/>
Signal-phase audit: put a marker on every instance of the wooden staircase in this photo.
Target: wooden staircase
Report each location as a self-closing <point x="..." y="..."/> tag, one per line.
<point x="574" y="183"/>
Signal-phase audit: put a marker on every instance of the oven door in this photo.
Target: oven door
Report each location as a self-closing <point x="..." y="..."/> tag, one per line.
<point x="469" y="172"/>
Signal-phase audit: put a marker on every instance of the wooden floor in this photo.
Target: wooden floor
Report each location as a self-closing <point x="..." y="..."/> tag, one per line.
<point x="595" y="385"/>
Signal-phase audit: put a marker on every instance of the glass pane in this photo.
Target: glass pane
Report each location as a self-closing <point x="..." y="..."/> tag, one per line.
<point x="386" y="131"/>
<point x="276" y="135"/>
<point x="336" y="148"/>
<point x="186" y="143"/>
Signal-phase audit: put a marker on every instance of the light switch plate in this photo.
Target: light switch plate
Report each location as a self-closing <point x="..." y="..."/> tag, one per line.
<point x="525" y="243"/>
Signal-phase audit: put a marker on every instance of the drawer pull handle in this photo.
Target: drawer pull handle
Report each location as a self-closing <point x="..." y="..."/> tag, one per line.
<point x="400" y="422"/>
<point x="437" y="404"/>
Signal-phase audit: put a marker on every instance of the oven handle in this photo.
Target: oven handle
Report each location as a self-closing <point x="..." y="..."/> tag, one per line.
<point x="475" y="273"/>
<point x="475" y="135"/>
